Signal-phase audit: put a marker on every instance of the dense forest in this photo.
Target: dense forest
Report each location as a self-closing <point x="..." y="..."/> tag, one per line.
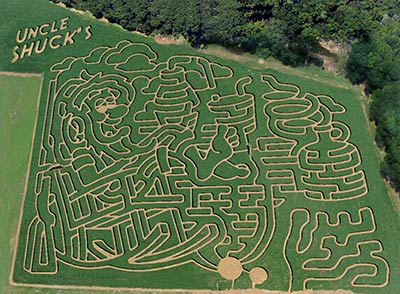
<point x="289" y="30"/>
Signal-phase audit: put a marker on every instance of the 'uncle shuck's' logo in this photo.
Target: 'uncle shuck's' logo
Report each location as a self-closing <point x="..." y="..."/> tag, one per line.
<point x="56" y="35"/>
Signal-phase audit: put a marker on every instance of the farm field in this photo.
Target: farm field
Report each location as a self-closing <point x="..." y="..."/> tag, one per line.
<point x="18" y="100"/>
<point x="157" y="167"/>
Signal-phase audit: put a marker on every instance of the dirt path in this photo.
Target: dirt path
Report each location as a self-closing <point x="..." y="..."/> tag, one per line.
<point x="165" y="40"/>
<point x="19" y="74"/>
<point x="259" y="291"/>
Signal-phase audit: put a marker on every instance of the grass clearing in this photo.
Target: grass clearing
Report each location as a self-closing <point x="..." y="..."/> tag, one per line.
<point x="312" y="72"/>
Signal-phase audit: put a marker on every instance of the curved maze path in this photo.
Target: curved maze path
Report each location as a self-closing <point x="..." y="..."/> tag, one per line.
<point x="148" y="164"/>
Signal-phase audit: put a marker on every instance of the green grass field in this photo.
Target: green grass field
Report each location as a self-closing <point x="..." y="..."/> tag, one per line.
<point x="18" y="101"/>
<point x="159" y="167"/>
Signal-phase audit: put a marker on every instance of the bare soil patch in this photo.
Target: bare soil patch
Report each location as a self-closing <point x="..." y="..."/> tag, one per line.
<point x="166" y="40"/>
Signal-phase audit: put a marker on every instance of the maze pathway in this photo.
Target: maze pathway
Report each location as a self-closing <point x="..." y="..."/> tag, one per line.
<point x="147" y="164"/>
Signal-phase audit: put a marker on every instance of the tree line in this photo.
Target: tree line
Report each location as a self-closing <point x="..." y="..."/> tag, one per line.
<point x="375" y="61"/>
<point x="285" y="29"/>
<point x="288" y="30"/>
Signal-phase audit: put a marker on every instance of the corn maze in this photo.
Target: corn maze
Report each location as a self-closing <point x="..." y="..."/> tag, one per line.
<point x="146" y="164"/>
